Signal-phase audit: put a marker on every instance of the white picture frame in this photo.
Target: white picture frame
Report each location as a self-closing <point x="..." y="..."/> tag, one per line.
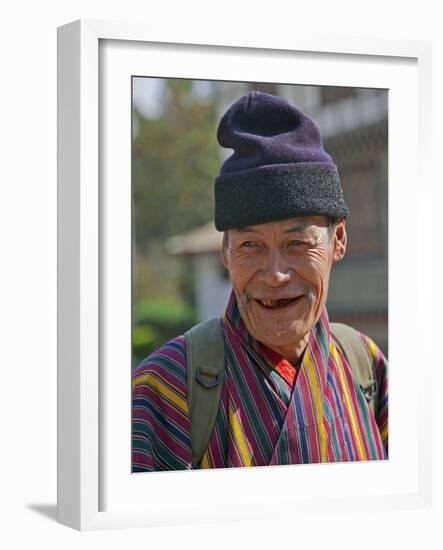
<point x="95" y="487"/>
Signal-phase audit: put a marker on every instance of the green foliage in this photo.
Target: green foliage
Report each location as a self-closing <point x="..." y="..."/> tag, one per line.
<point x="163" y="311"/>
<point x="175" y="160"/>
<point x="157" y="320"/>
<point x="174" y="163"/>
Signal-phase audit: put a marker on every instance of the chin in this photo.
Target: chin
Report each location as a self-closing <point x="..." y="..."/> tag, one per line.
<point x="281" y="335"/>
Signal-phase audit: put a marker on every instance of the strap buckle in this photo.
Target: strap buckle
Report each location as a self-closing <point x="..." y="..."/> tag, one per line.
<point x="201" y="373"/>
<point x="371" y="390"/>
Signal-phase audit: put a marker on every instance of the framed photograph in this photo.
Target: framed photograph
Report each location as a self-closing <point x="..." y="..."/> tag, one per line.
<point x="180" y="277"/>
<point x="105" y="73"/>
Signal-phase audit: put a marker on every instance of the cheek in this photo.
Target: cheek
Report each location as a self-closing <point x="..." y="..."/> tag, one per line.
<point x="315" y="271"/>
<point x="241" y="269"/>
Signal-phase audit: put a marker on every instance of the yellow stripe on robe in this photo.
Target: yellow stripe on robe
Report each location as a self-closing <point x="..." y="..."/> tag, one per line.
<point x="239" y="437"/>
<point x="318" y="405"/>
<point x="154" y="382"/>
<point x="372" y="348"/>
<point x="361" y="451"/>
<point x="205" y="461"/>
<point x="384" y="434"/>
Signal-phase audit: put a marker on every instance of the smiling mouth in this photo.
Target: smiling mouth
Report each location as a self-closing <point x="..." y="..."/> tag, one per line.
<point x="277" y="304"/>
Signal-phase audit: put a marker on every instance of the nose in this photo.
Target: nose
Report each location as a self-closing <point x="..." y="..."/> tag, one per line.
<point x="275" y="272"/>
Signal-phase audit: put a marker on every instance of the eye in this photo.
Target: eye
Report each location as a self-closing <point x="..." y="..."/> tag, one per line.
<point x="248" y="244"/>
<point x="295" y="243"/>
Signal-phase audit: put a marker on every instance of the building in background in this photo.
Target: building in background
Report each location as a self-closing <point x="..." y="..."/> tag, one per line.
<point x="354" y="126"/>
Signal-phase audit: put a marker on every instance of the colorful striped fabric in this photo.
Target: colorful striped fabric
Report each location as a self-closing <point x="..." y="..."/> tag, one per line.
<point x="262" y="420"/>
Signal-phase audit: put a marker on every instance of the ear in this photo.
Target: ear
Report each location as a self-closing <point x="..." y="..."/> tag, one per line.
<point x="224" y="250"/>
<point x="223" y="256"/>
<point x="340" y="240"/>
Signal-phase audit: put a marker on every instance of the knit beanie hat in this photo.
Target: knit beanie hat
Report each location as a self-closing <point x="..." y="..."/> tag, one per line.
<point x="278" y="169"/>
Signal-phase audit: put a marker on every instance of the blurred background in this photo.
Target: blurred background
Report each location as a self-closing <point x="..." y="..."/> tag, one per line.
<point x="178" y="277"/>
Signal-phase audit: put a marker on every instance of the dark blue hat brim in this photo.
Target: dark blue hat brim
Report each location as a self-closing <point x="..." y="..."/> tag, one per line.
<point x="277" y="192"/>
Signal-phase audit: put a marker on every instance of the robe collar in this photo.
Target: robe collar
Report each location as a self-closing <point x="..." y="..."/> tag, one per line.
<point x="314" y="365"/>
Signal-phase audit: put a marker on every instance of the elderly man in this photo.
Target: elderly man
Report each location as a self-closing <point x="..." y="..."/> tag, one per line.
<point x="288" y="390"/>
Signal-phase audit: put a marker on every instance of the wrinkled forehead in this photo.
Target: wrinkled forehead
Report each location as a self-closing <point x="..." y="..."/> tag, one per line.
<point x="302" y="224"/>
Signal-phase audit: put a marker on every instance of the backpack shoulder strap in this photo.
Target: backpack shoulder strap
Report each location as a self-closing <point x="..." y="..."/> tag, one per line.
<point x="359" y="360"/>
<point x="205" y="357"/>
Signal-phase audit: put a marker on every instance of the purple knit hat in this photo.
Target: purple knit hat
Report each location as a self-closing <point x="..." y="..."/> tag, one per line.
<point x="278" y="169"/>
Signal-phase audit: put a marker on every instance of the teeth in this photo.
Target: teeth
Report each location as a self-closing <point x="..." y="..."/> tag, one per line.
<point x="269" y="303"/>
<point x="276" y="303"/>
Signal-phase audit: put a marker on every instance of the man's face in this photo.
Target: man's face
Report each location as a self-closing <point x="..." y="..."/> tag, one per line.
<point x="280" y="275"/>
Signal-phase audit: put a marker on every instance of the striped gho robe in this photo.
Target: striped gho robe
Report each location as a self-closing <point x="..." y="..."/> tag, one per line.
<point x="264" y="418"/>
